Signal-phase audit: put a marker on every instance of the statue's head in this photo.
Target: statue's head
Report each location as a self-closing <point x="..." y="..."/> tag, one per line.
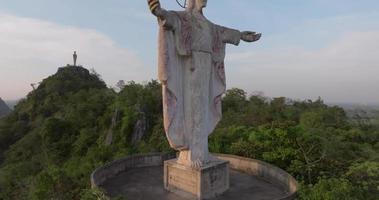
<point x="197" y="4"/>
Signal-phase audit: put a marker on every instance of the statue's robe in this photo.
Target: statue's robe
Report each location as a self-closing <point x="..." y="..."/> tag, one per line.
<point x="191" y="69"/>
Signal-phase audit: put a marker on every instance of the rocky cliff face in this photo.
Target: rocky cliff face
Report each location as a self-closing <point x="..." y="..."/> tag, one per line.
<point x="4" y="109"/>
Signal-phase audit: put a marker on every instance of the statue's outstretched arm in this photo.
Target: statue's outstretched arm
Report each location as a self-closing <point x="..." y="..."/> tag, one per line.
<point x="232" y="36"/>
<point x="166" y="18"/>
<point x="249" y="36"/>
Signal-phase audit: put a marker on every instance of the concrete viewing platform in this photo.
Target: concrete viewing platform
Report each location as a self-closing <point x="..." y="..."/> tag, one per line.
<point x="147" y="183"/>
<point x="140" y="177"/>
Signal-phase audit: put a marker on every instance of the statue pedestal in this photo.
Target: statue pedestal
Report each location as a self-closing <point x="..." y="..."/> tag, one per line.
<point x="204" y="183"/>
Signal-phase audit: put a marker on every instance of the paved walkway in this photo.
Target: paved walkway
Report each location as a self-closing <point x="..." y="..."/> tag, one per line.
<point x="147" y="184"/>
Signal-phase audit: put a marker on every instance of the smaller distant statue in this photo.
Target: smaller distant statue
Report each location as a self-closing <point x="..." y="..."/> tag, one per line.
<point x="75" y="56"/>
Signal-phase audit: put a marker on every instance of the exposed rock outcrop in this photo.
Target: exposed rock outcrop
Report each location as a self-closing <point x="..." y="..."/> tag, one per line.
<point x="140" y="129"/>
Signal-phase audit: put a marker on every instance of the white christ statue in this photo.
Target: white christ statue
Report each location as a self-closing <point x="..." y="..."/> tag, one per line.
<point x="191" y="69"/>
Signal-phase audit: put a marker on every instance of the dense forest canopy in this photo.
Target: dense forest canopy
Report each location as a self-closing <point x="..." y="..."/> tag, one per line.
<point x="72" y="123"/>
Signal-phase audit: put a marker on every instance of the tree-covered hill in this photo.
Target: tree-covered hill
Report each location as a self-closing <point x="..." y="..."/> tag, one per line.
<point x="4" y="109"/>
<point x="55" y="137"/>
<point x="72" y="123"/>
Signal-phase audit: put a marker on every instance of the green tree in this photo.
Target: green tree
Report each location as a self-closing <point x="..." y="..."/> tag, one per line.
<point x="365" y="176"/>
<point x="328" y="189"/>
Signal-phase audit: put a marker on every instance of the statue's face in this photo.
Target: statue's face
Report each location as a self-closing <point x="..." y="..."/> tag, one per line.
<point x="201" y="4"/>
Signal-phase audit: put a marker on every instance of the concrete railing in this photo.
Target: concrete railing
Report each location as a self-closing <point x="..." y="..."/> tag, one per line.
<point x="264" y="170"/>
<point x="110" y="170"/>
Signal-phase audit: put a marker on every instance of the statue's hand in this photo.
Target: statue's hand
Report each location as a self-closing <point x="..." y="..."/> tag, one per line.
<point x="249" y="36"/>
<point x="154" y="5"/>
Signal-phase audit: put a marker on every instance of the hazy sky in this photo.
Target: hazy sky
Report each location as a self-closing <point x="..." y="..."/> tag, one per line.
<point x="312" y="48"/>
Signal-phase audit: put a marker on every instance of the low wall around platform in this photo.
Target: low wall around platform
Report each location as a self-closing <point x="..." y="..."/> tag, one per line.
<point x="249" y="166"/>
<point x="265" y="171"/>
<point x="112" y="169"/>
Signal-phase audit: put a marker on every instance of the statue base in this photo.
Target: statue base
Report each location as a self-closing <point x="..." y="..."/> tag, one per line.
<point x="204" y="183"/>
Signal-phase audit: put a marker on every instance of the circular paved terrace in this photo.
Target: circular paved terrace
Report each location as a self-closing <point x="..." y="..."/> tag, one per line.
<point x="147" y="183"/>
<point x="140" y="177"/>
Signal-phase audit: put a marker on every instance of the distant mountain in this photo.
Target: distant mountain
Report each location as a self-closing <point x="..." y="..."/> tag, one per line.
<point x="352" y="106"/>
<point x="368" y="111"/>
<point x="4" y="109"/>
<point x="11" y="103"/>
